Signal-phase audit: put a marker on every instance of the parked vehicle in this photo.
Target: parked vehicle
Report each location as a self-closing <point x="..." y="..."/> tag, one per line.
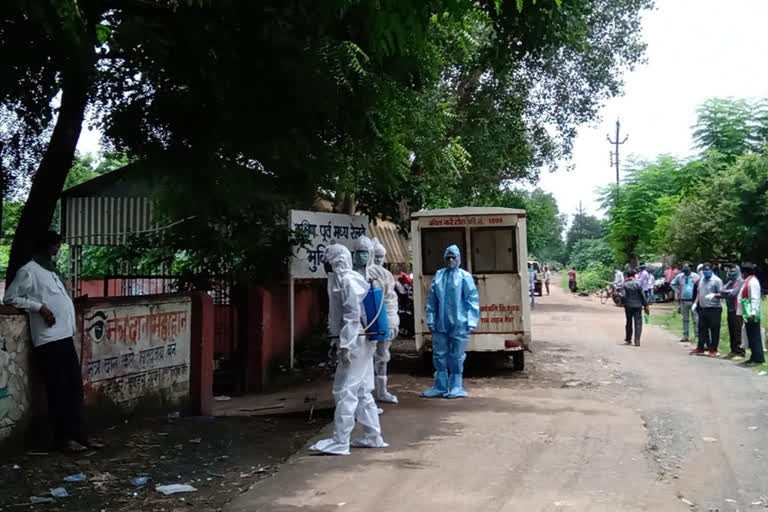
<point x="494" y="250"/>
<point x="404" y="291"/>
<point x="662" y="291"/>
<point x="537" y="284"/>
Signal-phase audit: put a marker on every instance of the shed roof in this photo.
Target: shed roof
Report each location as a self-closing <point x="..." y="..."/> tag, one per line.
<point x="109" y="208"/>
<point x="390" y="238"/>
<point x="132" y="180"/>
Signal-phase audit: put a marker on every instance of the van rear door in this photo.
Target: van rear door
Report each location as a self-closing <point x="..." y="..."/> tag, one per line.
<point x="496" y="270"/>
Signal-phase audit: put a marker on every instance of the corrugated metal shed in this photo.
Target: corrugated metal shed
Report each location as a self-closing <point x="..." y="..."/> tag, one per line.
<point x="107" y="209"/>
<point x="104" y="220"/>
<point x="397" y="247"/>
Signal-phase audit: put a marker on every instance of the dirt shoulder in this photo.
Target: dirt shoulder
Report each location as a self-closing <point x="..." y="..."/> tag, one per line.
<point x="220" y="457"/>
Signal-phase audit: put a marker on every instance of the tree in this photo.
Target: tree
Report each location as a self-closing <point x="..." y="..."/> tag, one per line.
<point x="731" y="126"/>
<point x="543" y="220"/>
<point x="398" y="105"/>
<point x="583" y="227"/>
<point x="58" y="64"/>
<point x="589" y="251"/>
<point x="725" y="218"/>
<point x="706" y="208"/>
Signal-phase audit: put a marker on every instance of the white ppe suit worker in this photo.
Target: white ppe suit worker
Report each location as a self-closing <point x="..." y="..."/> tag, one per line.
<point x="353" y="382"/>
<point x="381" y="356"/>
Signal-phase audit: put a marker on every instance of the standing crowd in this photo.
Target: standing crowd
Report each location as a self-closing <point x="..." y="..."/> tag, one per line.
<point x="701" y="295"/>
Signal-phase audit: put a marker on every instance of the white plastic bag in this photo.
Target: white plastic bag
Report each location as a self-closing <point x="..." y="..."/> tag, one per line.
<point x="174" y="488"/>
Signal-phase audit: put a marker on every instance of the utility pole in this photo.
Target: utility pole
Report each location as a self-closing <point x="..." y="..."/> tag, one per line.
<point x="615" y="154"/>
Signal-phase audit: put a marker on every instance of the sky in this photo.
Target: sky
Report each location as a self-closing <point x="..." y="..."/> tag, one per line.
<point x="697" y="49"/>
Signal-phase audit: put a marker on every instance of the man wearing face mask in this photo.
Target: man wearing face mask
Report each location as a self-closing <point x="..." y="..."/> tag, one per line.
<point x="453" y="311"/>
<point x="686" y="286"/>
<point x="730" y="296"/>
<point x="381" y="356"/>
<point x="710" y="312"/>
<point x="39" y="290"/>
<point x="748" y="308"/>
<point x="646" y="281"/>
<point x="353" y="381"/>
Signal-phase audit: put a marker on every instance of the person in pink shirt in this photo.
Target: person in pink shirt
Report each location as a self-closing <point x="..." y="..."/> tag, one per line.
<point x="572" y="279"/>
<point x="670" y="273"/>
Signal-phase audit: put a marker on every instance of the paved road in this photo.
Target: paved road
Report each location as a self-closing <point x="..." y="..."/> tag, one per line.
<point x="591" y="425"/>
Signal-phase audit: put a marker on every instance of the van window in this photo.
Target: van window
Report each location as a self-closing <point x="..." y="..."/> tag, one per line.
<point x="494" y="250"/>
<point x="434" y="242"/>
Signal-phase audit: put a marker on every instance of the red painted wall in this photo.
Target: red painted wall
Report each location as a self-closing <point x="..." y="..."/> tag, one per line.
<point x="268" y="326"/>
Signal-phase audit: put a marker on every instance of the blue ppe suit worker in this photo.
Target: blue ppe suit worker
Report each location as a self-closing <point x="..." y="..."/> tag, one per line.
<point x="353" y="382"/>
<point x="453" y="310"/>
<point x="382" y="355"/>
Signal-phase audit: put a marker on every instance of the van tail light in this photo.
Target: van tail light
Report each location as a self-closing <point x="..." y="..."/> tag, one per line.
<point x="511" y="343"/>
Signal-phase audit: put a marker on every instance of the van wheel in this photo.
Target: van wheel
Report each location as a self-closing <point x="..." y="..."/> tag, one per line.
<point x="518" y="361"/>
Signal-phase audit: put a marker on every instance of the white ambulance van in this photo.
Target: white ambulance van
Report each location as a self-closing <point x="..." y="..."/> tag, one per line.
<point x="494" y="250"/>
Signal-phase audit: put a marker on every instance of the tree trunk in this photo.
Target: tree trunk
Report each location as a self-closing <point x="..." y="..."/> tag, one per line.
<point x="3" y="186"/>
<point x="52" y="172"/>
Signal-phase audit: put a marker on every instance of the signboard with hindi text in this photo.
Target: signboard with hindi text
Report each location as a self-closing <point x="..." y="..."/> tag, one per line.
<point x="322" y="229"/>
<point x="138" y="348"/>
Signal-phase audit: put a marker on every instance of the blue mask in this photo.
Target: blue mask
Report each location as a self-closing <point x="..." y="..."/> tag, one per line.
<point x="361" y="258"/>
<point x="707" y="273"/>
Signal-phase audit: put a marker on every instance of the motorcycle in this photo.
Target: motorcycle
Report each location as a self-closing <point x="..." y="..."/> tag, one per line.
<point x="404" y="291"/>
<point x="662" y="291"/>
<point x="617" y="294"/>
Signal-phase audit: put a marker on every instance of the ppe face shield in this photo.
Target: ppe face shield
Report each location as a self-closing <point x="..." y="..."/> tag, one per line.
<point x="379" y="260"/>
<point x="360" y="258"/>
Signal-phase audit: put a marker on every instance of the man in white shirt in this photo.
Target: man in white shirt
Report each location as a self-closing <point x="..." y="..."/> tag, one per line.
<point x="41" y="292"/>
<point x="748" y="306"/>
<point x="646" y="280"/>
<point x="547" y="277"/>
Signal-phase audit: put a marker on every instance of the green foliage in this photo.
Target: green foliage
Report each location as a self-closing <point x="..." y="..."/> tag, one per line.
<point x="256" y="107"/>
<point x="591" y="251"/>
<point x="708" y="208"/>
<point x="583" y="227"/>
<point x="543" y="219"/>
<point x="732" y="127"/>
<point x="725" y="218"/>
<point x="594" y="277"/>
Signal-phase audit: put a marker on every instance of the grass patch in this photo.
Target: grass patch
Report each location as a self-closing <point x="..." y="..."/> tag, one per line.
<point x="673" y="322"/>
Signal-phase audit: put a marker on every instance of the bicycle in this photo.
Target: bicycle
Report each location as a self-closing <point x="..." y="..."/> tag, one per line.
<point x="612" y="291"/>
<point x="606" y="293"/>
